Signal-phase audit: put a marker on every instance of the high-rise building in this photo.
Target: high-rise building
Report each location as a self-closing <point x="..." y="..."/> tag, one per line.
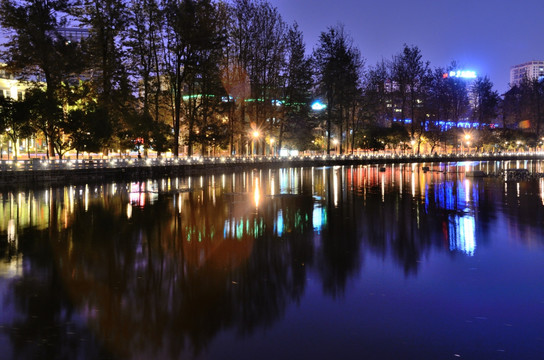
<point x="531" y="70"/>
<point x="74" y="34"/>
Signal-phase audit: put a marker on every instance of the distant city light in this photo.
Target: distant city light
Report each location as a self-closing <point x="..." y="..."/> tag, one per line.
<point x="464" y="74"/>
<point x="318" y="106"/>
<point x="446" y="125"/>
<point x="287" y="152"/>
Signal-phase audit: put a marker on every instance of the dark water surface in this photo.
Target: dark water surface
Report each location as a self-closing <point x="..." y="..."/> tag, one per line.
<point x="303" y="263"/>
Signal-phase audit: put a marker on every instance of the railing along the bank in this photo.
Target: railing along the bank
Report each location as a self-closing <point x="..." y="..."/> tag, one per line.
<point x="68" y="164"/>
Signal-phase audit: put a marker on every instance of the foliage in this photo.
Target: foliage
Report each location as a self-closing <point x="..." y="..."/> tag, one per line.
<point x="337" y="68"/>
<point x="15" y="119"/>
<point x="523" y="106"/>
<point x="296" y="125"/>
<point x="412" y="77"/>
<point x="486" y="101"/>
<point x="88" y="130"/>
<point x="208" y="73"/>
<point x="38" y="53"/>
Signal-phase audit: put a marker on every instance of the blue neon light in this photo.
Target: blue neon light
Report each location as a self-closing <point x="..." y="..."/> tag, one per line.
<point x="464" y="74"/>
<point x="317" y="106"/>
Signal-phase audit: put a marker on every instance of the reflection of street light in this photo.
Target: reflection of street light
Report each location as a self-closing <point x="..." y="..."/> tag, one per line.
<point x="257" y="193"/>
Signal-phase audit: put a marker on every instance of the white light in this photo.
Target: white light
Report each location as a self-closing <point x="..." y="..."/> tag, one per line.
<point x="317" y="106"/>
<point x="465" y="74"/>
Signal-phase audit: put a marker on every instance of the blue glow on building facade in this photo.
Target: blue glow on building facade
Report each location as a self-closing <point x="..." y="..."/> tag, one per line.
<point x="445" y="125"/>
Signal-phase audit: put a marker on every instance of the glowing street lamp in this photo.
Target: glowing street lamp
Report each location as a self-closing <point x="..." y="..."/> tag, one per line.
<point x="272" y="149"/>
<point x="335" y="142"/>
<point x="256" y="134"/>
<point x="318" y="106"/>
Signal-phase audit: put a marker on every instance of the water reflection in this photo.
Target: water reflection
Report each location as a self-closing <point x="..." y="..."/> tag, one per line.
<point x="160" y="268"/>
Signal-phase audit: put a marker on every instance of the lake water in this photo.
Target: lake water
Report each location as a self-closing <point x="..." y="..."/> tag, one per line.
<point x="300" y="263"/>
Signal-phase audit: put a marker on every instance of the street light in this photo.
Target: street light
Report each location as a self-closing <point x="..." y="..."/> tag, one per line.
<point x="335" y="143"/>
<point x="255" y="135"/>
<point x="467" y="139"/>
<point x="318" y="106"/>
<point x="272" y="150"/>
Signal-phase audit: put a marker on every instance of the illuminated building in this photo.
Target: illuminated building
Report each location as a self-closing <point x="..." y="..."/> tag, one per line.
<point x="74" y="34"/>
<point x="9" y="86"/>
<point x="463" y="74"/>
<point x="12" y="88"/>
<point x="531" y="70"/>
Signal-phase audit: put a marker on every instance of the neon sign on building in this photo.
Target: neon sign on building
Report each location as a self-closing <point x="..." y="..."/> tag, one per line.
<point x="464" y="74"/>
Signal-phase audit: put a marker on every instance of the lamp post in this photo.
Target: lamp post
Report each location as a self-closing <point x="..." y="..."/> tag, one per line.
<point x="335" y="143"/>
<point x="255" y="135"/>
<point x="467" y="139"/>
<point x="317" y="107"/>
<point x="272" y="149"/>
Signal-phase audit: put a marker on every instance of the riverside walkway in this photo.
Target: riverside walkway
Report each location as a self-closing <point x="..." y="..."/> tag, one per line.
<point x="42" y="172"/>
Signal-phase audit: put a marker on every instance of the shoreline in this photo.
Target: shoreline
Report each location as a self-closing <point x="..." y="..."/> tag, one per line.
<point x="38" y="173"/>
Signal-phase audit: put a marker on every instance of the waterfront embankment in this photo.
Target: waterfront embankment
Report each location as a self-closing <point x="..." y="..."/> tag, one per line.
<point x="42" y="172"/>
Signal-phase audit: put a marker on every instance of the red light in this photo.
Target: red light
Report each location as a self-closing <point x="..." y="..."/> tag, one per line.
<point x="445" y="75"/>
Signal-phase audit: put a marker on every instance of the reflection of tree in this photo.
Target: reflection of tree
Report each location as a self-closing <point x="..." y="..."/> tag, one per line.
<point x="339" y="255"/>
<point x="166" y="277"/>
<point x="404" y="223"/>
<point x="165" y="281"/>
<point x="524" y="209"/>
<point x="45" y="324"/>
<point x="276" y="271"/>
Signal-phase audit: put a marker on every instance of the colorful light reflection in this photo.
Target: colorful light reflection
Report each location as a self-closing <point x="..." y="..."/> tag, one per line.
<point x="462" y="234"/>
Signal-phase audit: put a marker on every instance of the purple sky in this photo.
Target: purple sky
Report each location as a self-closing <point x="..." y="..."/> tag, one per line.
<point x="487" y="36"/>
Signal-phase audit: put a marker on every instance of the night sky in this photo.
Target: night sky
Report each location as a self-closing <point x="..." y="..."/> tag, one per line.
<point x="487" y="36"/>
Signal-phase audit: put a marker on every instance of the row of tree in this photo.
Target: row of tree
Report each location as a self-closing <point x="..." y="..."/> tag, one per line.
<point x="202" y="74"/>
